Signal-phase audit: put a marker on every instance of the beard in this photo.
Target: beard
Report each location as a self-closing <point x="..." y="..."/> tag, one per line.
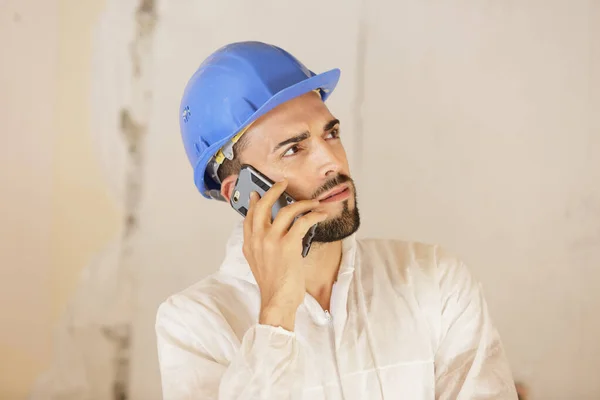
<point x="343" y="225"/>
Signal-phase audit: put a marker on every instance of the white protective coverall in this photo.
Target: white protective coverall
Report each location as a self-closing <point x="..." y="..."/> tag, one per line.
<point x="407" y="321"/>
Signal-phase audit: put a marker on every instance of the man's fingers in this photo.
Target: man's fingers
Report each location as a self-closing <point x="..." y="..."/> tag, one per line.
<point x="303" y="224"/>
<point x="286" y="215"/>
<point x="262" y="212"/>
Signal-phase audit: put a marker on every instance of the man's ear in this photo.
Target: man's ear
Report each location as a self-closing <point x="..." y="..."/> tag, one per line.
<point x="227" y="186"/>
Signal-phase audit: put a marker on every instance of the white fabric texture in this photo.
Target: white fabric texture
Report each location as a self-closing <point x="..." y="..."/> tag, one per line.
<point x="407" y="321"/>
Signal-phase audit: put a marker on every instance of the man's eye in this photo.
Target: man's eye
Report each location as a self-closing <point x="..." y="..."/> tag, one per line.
<point x="291" y="151"/>
<point x="334" y="134"/>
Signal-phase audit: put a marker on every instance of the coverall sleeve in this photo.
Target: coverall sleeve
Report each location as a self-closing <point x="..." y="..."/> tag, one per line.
<point x="470" y="362"/>
<point x="211" y="363"/>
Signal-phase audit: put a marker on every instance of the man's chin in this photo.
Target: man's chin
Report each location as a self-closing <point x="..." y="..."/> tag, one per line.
<point x="342" y="224"/>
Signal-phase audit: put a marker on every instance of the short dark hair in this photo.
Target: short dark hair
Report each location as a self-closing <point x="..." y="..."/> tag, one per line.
<point x="232" y="167"/>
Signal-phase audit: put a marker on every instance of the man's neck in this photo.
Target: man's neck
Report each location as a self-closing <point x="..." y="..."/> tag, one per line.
<point x="322" y="266"/>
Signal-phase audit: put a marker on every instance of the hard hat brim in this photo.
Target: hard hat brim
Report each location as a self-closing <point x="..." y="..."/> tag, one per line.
<point x="326" y="82"/>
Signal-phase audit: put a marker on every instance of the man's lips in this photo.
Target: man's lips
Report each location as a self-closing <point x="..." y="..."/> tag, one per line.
<point x="338" y="192"/>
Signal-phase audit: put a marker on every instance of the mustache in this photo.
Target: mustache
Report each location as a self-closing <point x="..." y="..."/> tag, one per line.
<point x="333" y="182"/>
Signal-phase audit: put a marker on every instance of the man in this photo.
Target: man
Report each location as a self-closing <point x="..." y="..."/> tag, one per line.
<point x="376" y="319"/>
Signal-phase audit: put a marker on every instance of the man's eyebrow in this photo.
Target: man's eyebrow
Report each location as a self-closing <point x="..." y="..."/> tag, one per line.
<point x="305" y="135"/>
<point x="328" y="126"/>
<point x="295" y="139"/>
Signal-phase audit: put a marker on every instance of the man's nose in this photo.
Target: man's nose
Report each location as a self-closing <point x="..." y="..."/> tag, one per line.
<point x="327" y="160"/>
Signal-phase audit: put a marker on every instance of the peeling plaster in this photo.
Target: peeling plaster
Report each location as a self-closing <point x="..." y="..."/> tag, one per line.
<point x="94" y="335"/>
<point x="134" y="126"/>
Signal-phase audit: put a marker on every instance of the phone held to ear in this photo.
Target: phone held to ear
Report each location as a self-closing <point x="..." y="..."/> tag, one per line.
<point x="251" y="180"/>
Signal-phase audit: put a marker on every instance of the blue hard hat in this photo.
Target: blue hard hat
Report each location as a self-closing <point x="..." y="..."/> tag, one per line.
<point x="232" y="88"/>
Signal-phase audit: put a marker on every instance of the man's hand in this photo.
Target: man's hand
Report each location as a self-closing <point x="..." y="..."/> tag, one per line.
<point x="274" y="253"/>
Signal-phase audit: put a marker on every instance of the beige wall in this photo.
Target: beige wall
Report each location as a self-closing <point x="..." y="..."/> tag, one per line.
<point x="480" y="133"/>
<point x="55" y="208"/>
<point x="84" y="215"/>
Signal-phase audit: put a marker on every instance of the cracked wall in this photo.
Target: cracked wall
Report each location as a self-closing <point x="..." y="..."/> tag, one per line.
<point x="93" y="339"/>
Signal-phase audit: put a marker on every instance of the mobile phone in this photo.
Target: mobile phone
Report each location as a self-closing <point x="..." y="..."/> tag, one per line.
<point x="251" y="180"/>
